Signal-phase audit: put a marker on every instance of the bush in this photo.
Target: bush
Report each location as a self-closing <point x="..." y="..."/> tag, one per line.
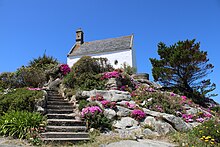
<point x="19" y="99"/>
<point x="85" y="73"/>
<point x="95" y="118"/>
<point x="18" y="123"/>
<point x="82" y="104"/>
<point x="32" y="76"/>
<point x="204" y="135"/>
<point x="91" y="65"/>
<point x="209" y="131"/>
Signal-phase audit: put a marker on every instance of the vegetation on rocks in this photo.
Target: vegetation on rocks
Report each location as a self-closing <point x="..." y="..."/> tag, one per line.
<point x="183" y="67"/>
<point x="19" y="99"/>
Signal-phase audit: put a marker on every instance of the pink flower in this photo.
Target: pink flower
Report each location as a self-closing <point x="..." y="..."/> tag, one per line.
<point x="207" y="115"/>
<point x="138" y="114"/>
<point x="64" y="68"/>
<point x="132" y="106"/>
<point x="172" y="94"/>
<point x="113" y="74"/>
<point x="34" y="88"/>
<point x="108" y="104"/>
<point x="184" y="98"/>
<point x="90" y="110"/>
<point x="200" y="120"/>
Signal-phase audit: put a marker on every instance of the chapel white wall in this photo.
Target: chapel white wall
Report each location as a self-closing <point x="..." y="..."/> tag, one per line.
<point x="120" y="56"/>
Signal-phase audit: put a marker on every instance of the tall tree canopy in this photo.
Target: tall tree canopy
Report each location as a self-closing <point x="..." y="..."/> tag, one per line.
<point x="183" y="66"/>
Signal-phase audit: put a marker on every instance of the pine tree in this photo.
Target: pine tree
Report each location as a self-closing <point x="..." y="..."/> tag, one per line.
<point x="183" y="66"/>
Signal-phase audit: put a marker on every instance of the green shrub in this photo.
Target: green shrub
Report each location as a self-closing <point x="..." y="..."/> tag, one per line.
<point x="18" y="123"/>
<point x="32" y="76"/>
<point x="19" y="99"/>
<point x="91" y="65"/>
<point x="209" y="131"/>
<point x="82" y="104"/>
<point x="85" y="73"/>
<point x="204" y="135"/>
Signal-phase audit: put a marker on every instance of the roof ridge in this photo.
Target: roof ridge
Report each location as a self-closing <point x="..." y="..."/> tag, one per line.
<point x="109" y="38"/>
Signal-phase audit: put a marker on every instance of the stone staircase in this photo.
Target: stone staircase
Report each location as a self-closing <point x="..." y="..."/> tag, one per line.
<point x="61" y="123"/>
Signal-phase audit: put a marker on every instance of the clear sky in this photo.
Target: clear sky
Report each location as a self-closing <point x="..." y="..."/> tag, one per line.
<point x="29" y="27"/>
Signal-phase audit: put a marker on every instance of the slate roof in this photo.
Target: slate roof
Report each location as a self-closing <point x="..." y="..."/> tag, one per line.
<point x="101" y="46"/>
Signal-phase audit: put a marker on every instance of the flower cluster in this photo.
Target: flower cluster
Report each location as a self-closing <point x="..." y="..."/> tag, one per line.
<point x="208" y="139"/>
<point x="34" y="88"/>
<point x="108" y="104"/>
<point x="65" y="69"/>
<point x="113" y="74"/>
<point x="98" y="97"/>
<point x="138" y="114"/>
<point x="187" y="117"/>
<point x="129" y="105"/>
<point x="90" y="110"/>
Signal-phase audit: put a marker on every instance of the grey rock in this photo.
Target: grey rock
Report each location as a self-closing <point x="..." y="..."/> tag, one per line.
<point x="122" y="111"/>
<point x="109" y="113"/>
<point x="111" y="95"/>
<point x="113" y="83"/>
<point x="149" y="132"/>
<point x="159" y="126"/>
<point x="192" y="111"/>
<point x="176" y="122"/>
<point x="54" y="85"/>
<point x="163" y="128"/>
<point x="125" y="122"/>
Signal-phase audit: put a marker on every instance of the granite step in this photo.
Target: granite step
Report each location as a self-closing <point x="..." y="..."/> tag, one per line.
<point x="59" y="106"/>
<point x="60" y="116"/>
<point x="66" y="128"/>
<point x="60" y="111"/>
<point x="58" y="103"/>
<point x="65" y="122"/>
<point x="65" y="135"/>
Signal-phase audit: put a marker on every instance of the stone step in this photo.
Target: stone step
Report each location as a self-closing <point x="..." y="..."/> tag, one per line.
<point x="60" y="116"/>
<point x="65" y="122"/>
<point x="59" y="106"/>
<point x="65" y="135"/>
<point x="65" y="139"/>
<point x="55" y="97"/>
<point x="59" y="111"/>
<point x="58" y="100"/>
<point x="65" y="128"/>
<point x="57" y="103"/>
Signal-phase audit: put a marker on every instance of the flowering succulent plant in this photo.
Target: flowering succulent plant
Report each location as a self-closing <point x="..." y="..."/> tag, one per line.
<point x="65" y="69"/>
<point x="91" y="110"/>
<point x="108" y="104"/>
<point x="113" y="74"/>
<point x="138" y="114"/>
<point x="97" y="97"/>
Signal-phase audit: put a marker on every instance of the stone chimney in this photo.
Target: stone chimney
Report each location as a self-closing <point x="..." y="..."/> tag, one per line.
<point x="79" y="36"/>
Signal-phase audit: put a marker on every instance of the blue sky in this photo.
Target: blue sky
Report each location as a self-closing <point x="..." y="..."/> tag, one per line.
<point x="29" y="27"/>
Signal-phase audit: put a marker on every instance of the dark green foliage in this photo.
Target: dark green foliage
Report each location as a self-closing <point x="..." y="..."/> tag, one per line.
<point x="32" y="76"/>
<point x="91" y="65"/>
<point x="89" y="81"/>
<point x="164" y="103"/>
<point x="85" y="74"/>
<point x="82" y="104"/>
<point x="18" y="123"/>
<point x="99" y="121"/>
<point x="21" y="99"/>
<point x="209" y="128"/>
<point x="182" y="66"/>
<point x="43" y="62"/>
<point x="127" y="69"/>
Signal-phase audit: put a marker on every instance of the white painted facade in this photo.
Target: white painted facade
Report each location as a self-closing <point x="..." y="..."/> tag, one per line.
<point x="123" y="56"/>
